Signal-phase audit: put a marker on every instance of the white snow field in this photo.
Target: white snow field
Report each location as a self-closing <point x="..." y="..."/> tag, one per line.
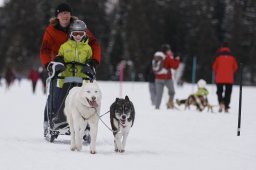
<point x="159" y="140"/>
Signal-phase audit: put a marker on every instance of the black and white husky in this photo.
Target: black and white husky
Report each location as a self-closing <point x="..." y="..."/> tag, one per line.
<point x="122" y="116"/>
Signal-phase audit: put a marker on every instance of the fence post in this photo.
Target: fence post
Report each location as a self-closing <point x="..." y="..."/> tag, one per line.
<point x="194" y="72"/>
<point x="121" y="78"/>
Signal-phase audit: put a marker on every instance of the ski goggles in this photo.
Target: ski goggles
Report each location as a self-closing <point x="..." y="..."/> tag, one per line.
<point x="76" y="33"/>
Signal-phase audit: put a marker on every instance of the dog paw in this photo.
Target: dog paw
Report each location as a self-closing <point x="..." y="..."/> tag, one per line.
<point x="72" y="148"/>
<point x="93" y="152"/>
<point x="79" y="148"/>
<point x="119" y="150"/>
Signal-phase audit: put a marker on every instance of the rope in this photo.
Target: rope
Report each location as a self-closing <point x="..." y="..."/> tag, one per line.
<point x="104" y="113"/>
<point x="105" y="123"/>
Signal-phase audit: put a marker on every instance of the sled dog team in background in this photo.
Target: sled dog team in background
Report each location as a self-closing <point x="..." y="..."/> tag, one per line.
<point x="224" y="68"/>
<point x="68" y="41"/>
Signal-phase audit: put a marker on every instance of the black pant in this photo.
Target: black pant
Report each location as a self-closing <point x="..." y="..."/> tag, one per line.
<point x="52" y="98"/>
<point x="56" y="103"/>
<point x="59" y="119"/>
<point x="224" y="91"/>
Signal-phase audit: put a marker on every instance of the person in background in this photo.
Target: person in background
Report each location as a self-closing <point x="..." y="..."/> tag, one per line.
<point x="43" y="74"/>
<point x="10" y="76"/>
<point x="150" y="78"/>
<point x="224" y="68"/>
<point x="33" y="76"/>
<point x="162" y="65"/>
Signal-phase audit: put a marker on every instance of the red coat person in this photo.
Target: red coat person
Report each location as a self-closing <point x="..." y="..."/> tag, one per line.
<point x="33" y="76"/>
<point x="224" y="66"/>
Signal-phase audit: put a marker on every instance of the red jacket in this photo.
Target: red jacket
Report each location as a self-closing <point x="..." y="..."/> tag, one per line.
<point x="33" y="75"/>
<point x="54" y="38"/>
<point x="224" y="66"/>
<point x="169" y="63"/>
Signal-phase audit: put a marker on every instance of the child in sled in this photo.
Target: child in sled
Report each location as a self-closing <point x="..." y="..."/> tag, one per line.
<point x="76" y="55"/>
<point x="199" y="99"/>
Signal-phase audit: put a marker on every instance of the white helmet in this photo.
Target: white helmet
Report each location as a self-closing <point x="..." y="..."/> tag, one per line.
<point x="201" y="83"/>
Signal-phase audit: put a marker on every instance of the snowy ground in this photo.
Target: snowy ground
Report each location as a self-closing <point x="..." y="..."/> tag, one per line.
<point x="160" y="139"/>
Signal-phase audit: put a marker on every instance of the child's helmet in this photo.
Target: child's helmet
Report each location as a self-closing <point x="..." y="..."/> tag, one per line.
<point x="201" y="83"/>
<point x="78" y="25"/>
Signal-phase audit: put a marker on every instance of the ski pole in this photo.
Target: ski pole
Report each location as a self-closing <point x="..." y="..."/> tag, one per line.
<point x="240" y="99"/>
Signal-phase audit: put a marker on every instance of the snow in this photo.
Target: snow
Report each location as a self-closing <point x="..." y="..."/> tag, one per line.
<point x="160" y="139"/>
<point x="1" y="3"/>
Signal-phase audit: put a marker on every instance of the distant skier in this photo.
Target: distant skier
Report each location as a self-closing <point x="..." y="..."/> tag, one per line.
<point x="43" y="74"/>
<point x="33" y="76"/>
<point x="9" y="76"/>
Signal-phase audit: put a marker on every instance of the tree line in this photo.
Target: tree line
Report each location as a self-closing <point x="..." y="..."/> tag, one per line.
<point x="132" y="30"/>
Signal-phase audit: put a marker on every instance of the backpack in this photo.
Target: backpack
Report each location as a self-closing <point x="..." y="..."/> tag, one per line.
<point x="157" y="63"/>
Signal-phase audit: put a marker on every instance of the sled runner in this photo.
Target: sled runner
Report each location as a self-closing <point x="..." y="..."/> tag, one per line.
<point x="56" y="120"/>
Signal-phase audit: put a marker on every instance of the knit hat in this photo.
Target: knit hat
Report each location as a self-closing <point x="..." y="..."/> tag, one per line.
<point x="62" y="7"/>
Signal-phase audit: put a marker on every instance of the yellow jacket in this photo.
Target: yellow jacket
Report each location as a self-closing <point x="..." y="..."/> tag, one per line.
<point x="72" y="51"/>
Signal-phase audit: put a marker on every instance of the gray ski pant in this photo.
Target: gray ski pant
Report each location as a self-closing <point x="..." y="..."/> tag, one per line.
<point x="160" y="84"/>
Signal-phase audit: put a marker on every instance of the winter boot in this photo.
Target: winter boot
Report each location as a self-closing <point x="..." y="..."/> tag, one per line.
<point x="221" y="108"/>
<point x="170" y="104"/>
<point x="226" y="109"/>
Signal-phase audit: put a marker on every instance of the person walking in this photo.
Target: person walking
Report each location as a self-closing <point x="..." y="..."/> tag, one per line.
<point x="33" y="76"/>
<point x="10" y="76"/>
<point x="150" y="78"/>
<point x="43" y="74"/>
<point x="162" y="65"/>
<point x="224" y="68"/>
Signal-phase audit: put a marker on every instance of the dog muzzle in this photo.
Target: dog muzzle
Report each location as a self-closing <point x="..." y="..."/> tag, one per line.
<point x="123" y="121"/>
<point x="92" y="103"/>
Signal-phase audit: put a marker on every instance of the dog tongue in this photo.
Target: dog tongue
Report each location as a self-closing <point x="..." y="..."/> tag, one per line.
<point x="93" y="103"/>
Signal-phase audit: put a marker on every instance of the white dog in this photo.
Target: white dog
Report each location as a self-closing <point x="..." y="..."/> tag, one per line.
<point x="81" y="107"/>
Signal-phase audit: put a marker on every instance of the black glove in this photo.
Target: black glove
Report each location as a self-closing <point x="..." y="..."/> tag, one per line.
<point x="59" y="59"/>
<point x="89" y="71"/>
<point x="55" y="68"/>
<point x="93" y="63"/>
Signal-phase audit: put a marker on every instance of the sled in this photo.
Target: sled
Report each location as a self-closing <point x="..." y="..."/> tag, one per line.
<point x="56" y="120"/>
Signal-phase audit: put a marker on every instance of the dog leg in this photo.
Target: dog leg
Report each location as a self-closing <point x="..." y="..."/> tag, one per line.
<point x="72" y="134"/>
<point x="93" y="132"/>
<point x="125" y="135"/>
<point x="78" y="139"/>
<point x="82" y="125"/>
<point x="118" y="143"/>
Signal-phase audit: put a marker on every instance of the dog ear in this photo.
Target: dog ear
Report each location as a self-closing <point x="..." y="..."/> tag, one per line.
<point x="127" y="98"/>
<point x="117" y="99"/>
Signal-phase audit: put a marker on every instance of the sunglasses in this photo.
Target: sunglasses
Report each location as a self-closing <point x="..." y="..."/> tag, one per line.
<point x="81" y="34"/>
